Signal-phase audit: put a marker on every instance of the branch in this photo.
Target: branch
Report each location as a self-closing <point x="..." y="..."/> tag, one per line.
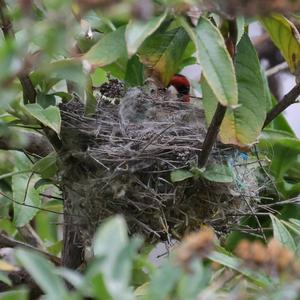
<point x="36" y="144"/>
<point x="6" y="241"/>
<point x="29" y="93"/>
<point x="214" y="127"/>
<point x="276" y="69"/>
<point x="212" y="134"/>
<point x="22" y="278"/>
<point x="29" y="235"/>
<point x="289" y="99"/>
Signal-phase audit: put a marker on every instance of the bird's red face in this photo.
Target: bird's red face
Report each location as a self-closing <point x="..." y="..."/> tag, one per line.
<point x="182" y="85"/>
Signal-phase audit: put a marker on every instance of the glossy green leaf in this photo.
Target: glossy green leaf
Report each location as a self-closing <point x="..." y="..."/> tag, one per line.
<point x="134" y="72"/>
<point x="45" y="100"/>
<point x="47" y="166"/>
<point x="43" y="272"/>
<point x="282" y="234"/>
<point x="180" y="175"/>
<point x="49" y="117"/>
<point x="24" y="193"/>
<point x="137" y="31"/>
<point x="163" y="51"/>
<point x="215" y="61"/>
<point x="242" y="125"/>
<point x="108" y="50"/>
<point x="286" y="37"/>
<point x="218" y="173"/>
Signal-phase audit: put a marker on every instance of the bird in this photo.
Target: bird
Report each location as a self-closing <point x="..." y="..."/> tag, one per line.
<point x="182" y="86"/>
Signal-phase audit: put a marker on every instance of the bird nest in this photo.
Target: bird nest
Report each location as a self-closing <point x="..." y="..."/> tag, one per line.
<point x="121" y="160"/>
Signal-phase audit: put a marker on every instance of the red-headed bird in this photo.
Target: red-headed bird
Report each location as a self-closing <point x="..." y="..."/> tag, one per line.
<point x="182" y="86"/>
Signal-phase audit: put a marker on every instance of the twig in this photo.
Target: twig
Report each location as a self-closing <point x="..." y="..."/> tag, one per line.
<point x="31" y="237"/>
<point x="31" y="206"/>
<point x="289" y="99"/>
<point x="6" y="241"/>
<point x="219" y="115"/>
<point x="29" y="93"/>
<point x="278" y="68"/>
<point x="51" y="197"/>
<point x="36" y="143"/>
<point x="211" y="135"/>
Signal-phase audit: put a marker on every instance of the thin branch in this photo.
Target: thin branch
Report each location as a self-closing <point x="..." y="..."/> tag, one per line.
<point x="31" y="237"/>
<point x="31" y="206"/>
<point x="278" y="68"/>
<point x="29" y="93"/>
<point x="6" y="241"/>
<point x="211" y="135"/>
<point x="214" y="127"/>
<point x="289" y="99"/>
<point x="36" y="143"/>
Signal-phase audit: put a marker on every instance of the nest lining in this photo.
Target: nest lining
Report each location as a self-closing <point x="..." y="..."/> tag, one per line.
<point x="119" y="160"/>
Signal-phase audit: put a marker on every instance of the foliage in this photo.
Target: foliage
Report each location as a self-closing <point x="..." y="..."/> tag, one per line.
<point x="65" y="49"/>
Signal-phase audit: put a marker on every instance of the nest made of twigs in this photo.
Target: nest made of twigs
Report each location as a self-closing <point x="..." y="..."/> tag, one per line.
<point x="119" y="161"/>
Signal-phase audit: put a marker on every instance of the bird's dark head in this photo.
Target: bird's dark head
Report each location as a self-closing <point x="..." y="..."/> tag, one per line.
<point x="182" y="85"/>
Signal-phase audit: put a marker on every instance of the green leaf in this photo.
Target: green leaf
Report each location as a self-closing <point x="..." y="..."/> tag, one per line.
<point x="5" y="279"/>
<point x="99" y="76"/>
<point x="180" y="175"/>
<point x="234" y="263"/>
<point x="43" y="272"/>
<point x="137" y="31"/>
<point x="16" y="294"/>
<point x="215" y="61"/>
<point x="108" y="50"/>
<point x="112" y="243"/>
<point x="134" y="72"/>
<point x="240" y="22"/>
<point x="271" y="137"/>
<point x="65" y="69"/>
<point x="24" y="193"/>
<point x="45" y="100"/>
<point x="46" y="166"/>
<point x="282" y="234"/>
<point x="218" y="173"/>
<point x="163" y="282"/>
<point x="285" y="36"/>
<point x="73" y="277"/>
<point x="163" y="51"/>
<point x="242" y="125"/>
<point x="295" y="222"/>
<point x="192" y="283"/>
<point x="50" y="117"/>
<point x="295" y="228"/>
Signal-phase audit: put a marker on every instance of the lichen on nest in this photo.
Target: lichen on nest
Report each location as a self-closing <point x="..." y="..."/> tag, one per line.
<point x="119" y="161"/>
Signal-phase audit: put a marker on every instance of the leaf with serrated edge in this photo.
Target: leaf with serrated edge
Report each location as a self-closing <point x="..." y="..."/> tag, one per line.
<point x="215" y="61"/>
<point x="241" y="125"/>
